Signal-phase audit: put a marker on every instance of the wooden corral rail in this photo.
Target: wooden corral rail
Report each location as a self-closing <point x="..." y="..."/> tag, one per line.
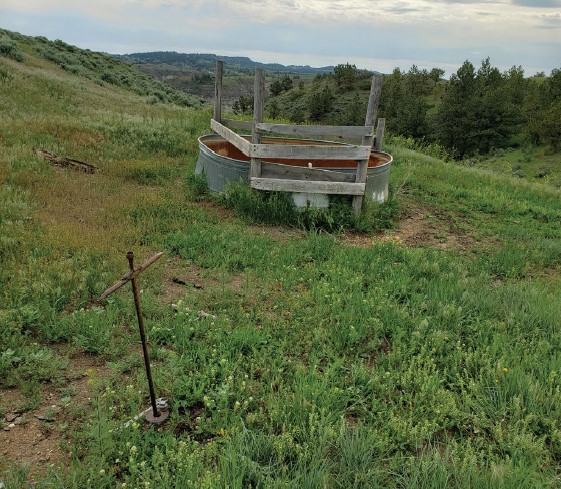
<point x="279" y="177"/>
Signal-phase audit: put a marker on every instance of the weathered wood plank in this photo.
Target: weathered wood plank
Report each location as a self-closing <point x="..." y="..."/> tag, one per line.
<point x="280" y="185"/>
<point x="310" y="152"/>
<point x="218" y="91"/>
<point x="361" y="171"/>
<point x="277" y="170"/>
<point x="65" y="162"/>
<point x="239" y="142"/>
<point x="372" y="110"/>
<point x="373" y="102"/>
<point x="341" y="132"/>
<point x="258" y="103"/>
<point x="235" y="124"/>
<point x="379" y="134"/>
<point x="258" y="111"/>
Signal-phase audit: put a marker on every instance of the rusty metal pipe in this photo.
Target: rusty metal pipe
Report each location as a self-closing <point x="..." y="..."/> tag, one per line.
<point x="155" y="412"/>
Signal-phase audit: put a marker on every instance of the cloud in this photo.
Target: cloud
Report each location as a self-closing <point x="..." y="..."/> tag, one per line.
<point x="550" y="21"/>
<point x="403" y="9"/>
<point x="370" y="33"/>
<point x="470" y="1"/>
<point x="538" y="3"/>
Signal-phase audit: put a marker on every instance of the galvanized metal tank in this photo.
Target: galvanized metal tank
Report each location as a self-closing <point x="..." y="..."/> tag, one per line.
<point x="221" y="163"/>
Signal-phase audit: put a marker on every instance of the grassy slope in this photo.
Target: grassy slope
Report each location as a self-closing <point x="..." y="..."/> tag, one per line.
<point x="533" y="164"/>
<point x="326" y="365"/>
<point x="100" y="68"/>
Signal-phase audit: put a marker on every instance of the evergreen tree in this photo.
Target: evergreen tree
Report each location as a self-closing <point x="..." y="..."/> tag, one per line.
<point x="320" y="104"/>
<point x="276" y="88"/>
<point x="436" y="74"/>
<point x="456" y="116"/>
<point x="353" y="114"/>
<point x="273" y="109"/>
<point x="404" y="110"/>
<point x="346" y="76"/>
<point x="477" y="112"/>
<point x="281" y="85"/>
<point x="544" y="126"/>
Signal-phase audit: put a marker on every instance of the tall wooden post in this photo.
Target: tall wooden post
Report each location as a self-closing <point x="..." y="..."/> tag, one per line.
<point x="218" y="91"/>
<point x="362" y="168"/>
<point x="258" y="109"/>
<point x="379" y="134"/>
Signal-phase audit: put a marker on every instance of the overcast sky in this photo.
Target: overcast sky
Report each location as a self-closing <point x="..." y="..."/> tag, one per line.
<point x="373" y="34"/>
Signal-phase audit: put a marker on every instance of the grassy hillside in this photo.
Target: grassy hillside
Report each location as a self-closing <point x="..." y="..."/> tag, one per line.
<point x="424" y="356"/>
<point x="100" y="68"/>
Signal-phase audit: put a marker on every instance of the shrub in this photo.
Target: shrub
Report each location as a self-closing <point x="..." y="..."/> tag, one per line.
<point x="9" y="49"/>
<point x="108" y="77"/>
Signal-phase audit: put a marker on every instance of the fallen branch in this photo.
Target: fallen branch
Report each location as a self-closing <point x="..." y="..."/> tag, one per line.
<point x="65" y="162"/>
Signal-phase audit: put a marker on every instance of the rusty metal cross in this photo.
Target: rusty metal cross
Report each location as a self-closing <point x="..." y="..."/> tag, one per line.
<point x="157" y="416"/>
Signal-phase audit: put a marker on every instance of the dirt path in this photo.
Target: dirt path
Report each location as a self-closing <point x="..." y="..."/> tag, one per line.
<point x="36" y="437"/>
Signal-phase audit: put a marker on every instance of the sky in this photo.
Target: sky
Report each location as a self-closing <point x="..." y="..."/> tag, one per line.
<point x="372" y="34"/>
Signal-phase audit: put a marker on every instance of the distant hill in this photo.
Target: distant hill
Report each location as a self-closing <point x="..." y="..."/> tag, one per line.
<point x="207" y="62"/>
<point x="100" y="68"/>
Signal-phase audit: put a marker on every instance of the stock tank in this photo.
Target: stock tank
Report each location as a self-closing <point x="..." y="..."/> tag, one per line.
<point x="221" y="163"/>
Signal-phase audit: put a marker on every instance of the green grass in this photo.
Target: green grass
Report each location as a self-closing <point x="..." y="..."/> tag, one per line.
<point x="277" y="208"/>
<point x="321" y="364"/>
<point x="539" y="165"/>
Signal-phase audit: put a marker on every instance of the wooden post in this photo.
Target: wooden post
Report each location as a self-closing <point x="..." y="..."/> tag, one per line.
<point x="218" y="91"/>
<point x="258" y="109"/>
<point x="379" y="134"/>
<point x="362" y="167"/>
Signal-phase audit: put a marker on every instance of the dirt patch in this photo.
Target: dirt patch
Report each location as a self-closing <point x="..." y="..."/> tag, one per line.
<point x="279" y="233"/>
<point x="418" y="227"/>
<point x="219" y="211"/>
<point x="36" y="437"/>
<point x="360" y="240"/>
<point x="180" y="279"/>
<point x="430" y="227"/>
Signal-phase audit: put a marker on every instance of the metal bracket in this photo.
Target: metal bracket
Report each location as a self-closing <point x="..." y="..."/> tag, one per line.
<point x="148" y="415"/>
<point x="163" y="411"/>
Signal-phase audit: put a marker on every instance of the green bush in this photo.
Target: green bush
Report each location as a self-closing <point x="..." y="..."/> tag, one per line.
<point x="9" y="49"/>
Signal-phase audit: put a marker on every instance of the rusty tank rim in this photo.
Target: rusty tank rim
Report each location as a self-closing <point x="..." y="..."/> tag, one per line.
<point x="378" y="159"/>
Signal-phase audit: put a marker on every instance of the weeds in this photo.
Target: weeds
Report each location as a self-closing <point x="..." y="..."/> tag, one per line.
<point x="277" y="208"/>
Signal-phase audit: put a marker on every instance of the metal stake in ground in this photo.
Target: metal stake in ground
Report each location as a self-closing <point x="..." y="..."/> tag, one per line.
<point x="157" y="416"/>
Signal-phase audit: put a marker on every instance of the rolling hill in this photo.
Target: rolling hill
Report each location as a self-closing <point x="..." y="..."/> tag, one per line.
<point x="207" y="62"/>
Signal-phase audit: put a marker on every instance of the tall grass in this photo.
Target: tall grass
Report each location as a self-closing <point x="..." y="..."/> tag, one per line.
<point x="276" y="208"/>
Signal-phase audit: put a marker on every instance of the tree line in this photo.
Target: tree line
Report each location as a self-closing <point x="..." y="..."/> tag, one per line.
<point x="477" y="110"/>
<point x="474" y="112"/>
